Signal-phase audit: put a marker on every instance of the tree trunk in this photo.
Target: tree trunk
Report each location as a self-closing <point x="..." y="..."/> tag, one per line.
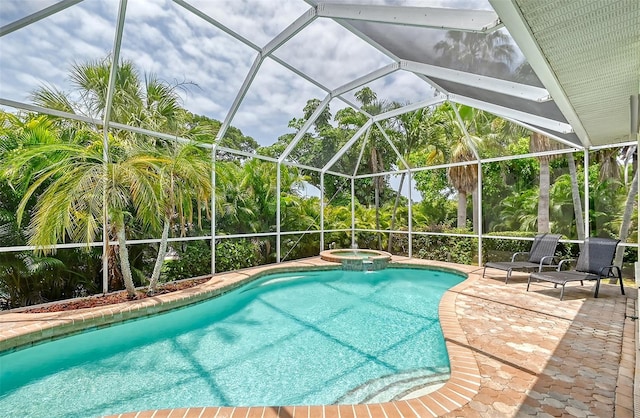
<point x="162" y="251"/>
<point x="377" y="204"/>
<point x="577" y="201"/>
<point x="462" y="210"/>
<point x="124" y="259"/>
<point x="543" y="202"/>
<point x="395" y="208"/>
<point x="376" y="187"/>
<point x="475" y="211"/>
<point x="626" y="218"/>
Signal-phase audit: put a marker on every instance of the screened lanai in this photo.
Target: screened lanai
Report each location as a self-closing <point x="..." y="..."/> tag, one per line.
<point x="271" y="79"/>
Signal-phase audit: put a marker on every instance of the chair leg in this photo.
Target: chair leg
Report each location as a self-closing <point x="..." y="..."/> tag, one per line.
<point x="484" y="271"/>
<point x="597" y="287"/>
<point x="562" y="291"/>
<point x="528" y="282"/>
<point x="508" y="276"/>
<point x="620" y="279"/>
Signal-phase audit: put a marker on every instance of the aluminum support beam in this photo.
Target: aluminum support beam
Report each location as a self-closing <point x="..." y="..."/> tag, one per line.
<point x="117" y="42"/>
<point x="616" y="145"/>
<point x="335" y="173"/>
<point x="353" y="213"/>
<point x="217" y="24"/>
<point x="364" y="145"/>
<point x="410" y="108"/>
<point x="213" y="211"/>
<point x="321" y="211"/>
<point x="497" y="85"/>
<point x="385" y="173"/>
<point x="278" y="194"/>
<point x="312" y="81"/>
<point x="93" y="121"/>
<point x="289" y="32"/>
<point x="303" y="166"/>
<point x="246" y="154"/>
<point x="47" y="111"/>
<point x="392" y="145"/>
<point x="34" y="17"/>
<point x="307" y="125"/>
<point x="241" y="93"/>
<point x="275" y="43"/>
<point x="550" y="153"/>
<point x="587" y="221"/>
<point x="48" y="247"/>
<point x="368" y="78"/>
<point x="545" y="133"/>
<point x="410" y="220"/>
<point x="428" y="17"/>
<point x="506" y="112"/>
<point x="348" y="145"/>
<point x="479" y="214"/>
<point x="159" y="135"/>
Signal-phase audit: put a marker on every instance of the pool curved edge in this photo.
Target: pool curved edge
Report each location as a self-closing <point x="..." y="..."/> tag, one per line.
<point x="23" y="329"/>
<point x="335" y="255"/>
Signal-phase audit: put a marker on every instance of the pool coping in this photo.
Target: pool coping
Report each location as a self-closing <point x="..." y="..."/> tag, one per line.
<point x="328" y="255"/>
<point x="19" y="330"/>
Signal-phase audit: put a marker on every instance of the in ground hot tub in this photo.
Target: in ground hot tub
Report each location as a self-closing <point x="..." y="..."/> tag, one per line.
<point x="357" y="259"/>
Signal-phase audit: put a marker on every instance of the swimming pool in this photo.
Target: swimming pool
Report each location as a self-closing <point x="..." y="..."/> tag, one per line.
<point x="315" y="337"/>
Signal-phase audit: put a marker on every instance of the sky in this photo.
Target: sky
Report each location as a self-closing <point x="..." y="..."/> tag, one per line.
<point x="164" y="39"/>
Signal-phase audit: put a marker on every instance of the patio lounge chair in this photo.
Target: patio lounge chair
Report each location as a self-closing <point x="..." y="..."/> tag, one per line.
<point x="594" y="263"/>
<point x="541" y="256"/>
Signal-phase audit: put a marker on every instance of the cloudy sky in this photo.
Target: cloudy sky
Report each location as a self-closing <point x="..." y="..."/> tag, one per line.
<point x="165" y="39"/>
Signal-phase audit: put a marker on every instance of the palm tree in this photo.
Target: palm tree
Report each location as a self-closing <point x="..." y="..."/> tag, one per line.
<point x="463" y="136"/>
<point x="625" y="223"/>
<point x="540" y="143"/>
<point x="233" y="205"/>
<point x="71" y="204"/>
<point x="575" y="197"/>
<point x="488" y="54"/>
<point x="151" y="104"/>
<point x="185" y="181"/>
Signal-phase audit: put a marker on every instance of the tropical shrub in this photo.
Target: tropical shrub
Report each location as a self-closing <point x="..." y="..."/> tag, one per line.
<point x="194" y="259"/>
<point x="446" y="248"/>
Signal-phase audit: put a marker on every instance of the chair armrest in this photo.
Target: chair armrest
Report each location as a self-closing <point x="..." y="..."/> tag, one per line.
<point x="565" y="261"/>
<point x="513" y="257"/>
<point x="548" y="261"/>
<point x="610" y="271"/>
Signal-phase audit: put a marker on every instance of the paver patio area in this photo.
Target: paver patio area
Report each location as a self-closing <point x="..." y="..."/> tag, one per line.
<point x="539" y="356"/>
<point x="536" y="355"/>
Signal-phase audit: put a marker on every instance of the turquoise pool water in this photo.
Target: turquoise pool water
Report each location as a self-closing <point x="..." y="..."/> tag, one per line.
<point x="313" y="337"/>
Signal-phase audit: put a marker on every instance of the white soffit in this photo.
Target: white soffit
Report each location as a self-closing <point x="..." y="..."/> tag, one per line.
<point x="588" y="57"/>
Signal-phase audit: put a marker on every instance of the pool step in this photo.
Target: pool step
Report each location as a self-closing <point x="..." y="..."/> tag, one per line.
<point x="403" y="385"/>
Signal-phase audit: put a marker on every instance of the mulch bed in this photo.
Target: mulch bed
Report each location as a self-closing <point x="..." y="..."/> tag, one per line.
<point x="113" y="298"/>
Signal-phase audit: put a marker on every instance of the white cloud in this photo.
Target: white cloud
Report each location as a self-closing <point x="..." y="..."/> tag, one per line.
<point x="240" y="16"/>
<point x="147" y="9"/>
<point x="331" y="54"/>
<point x="11" y="11"/>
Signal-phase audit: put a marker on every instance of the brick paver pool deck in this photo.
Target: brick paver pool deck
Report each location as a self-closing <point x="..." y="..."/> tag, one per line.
<point x="513" y="353"/>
